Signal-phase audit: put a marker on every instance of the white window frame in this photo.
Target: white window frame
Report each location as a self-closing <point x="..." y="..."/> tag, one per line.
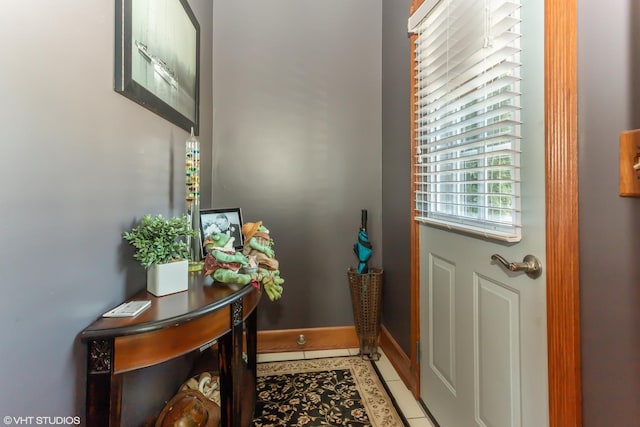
<point x="466" y="121"/>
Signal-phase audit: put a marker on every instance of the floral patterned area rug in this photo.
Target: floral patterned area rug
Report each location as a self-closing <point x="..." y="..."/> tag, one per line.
<point x="339" y="391"/>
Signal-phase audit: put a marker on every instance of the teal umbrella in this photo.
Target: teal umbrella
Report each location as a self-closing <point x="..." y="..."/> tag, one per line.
<point x="362" y="248"/>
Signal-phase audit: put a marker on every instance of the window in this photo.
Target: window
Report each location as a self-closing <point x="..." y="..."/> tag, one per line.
<point x="466" y="122"/>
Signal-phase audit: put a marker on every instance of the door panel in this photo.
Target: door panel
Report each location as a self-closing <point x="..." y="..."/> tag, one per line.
<point x="496" y="353"/>
<point x="442" y="311"/>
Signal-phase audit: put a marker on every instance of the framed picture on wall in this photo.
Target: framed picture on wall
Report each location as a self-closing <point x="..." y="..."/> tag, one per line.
<point x="157" y="58"/>
<point x="227" y="221"/>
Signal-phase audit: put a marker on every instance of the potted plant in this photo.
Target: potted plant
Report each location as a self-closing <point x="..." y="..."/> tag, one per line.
<point x="161" y="248"/>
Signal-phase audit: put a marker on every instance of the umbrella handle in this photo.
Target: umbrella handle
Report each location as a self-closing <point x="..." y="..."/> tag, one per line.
<point x="363" y="221"/>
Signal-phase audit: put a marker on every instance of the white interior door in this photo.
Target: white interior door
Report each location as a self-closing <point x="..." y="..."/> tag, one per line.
<point x="483" y="351"/>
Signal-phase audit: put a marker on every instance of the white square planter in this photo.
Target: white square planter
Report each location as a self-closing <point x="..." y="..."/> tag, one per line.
<point x="165" y="279"/>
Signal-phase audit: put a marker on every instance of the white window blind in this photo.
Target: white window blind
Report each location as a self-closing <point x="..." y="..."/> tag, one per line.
<point x="467" y="116"/>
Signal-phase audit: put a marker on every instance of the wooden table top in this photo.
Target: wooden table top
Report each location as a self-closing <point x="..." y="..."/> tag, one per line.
<point x="203" y="297"/>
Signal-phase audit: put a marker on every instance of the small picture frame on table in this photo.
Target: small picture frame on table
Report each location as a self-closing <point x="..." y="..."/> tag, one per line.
<point x="228" y="221"/>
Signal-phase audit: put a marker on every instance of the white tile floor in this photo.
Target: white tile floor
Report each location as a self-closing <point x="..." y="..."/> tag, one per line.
<point x="409" y="407"/>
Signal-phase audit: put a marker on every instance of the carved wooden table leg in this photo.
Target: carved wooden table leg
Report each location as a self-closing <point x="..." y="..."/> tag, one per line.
<point x="102" y="385"/>
<point x="237" y="362"/>
<point x="224" y="365"/>
<point x="252" y="350"/>
<point x="230" y="359"/>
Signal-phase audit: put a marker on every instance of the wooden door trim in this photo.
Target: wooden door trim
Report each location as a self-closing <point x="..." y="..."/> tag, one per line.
<point x="561" y="182"/>
<point x="561" y="157"/>
<point x="414" y="239"/>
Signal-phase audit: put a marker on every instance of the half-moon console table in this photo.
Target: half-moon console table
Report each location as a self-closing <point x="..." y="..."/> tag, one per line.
<point x="172" y="326"/>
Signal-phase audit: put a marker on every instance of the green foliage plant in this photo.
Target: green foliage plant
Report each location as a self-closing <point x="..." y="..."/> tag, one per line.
<point x="158" y="240"/>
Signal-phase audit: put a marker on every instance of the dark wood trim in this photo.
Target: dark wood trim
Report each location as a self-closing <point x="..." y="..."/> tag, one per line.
<point x="115" y="399"/>
<point x="398" y="358"/>
<point x="562" y="251"/>
<point x="285" y="340"/>
<point x="561" y="160"/>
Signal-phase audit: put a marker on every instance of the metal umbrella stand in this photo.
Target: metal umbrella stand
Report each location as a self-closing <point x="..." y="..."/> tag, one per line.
<point x="366" y="295"/>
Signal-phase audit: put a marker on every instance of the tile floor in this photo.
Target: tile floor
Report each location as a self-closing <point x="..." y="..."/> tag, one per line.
<point x="410" y="408"/>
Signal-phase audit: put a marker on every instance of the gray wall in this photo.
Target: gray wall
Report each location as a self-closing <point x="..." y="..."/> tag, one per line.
<point x="609" y="102"/>
<point x="396" y="175"/>
<point x="79" y="164"/>
<point x="297" y="141"/>
<point x="310" y="125"/>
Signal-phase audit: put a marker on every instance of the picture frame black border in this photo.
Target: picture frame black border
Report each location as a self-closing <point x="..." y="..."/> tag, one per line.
<point x="238" y="211"/>
<point x="124" y="83"/>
